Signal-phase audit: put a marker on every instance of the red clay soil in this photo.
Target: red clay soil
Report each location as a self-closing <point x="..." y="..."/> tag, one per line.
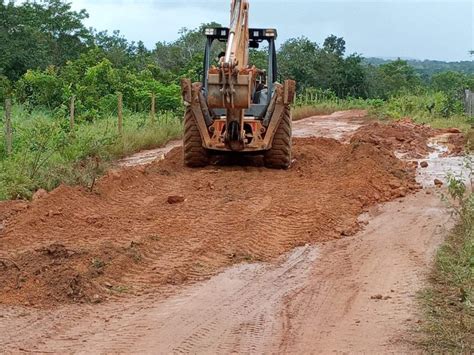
<point x="406" y="137"/>
<point x="146" y="228"/>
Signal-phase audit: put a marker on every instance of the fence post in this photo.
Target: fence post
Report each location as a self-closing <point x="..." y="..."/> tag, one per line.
<point x="72" y="112"/>
<point x="8" y="125"/>
<point x="471" y="106"/>
<point x="120" y="113"/>
<point x="152" y="113"/>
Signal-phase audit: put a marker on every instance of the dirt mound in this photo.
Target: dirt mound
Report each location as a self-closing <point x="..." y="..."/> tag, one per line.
<point x="10" y="208"/>
<point x="125" y="238"/>
<point x="407" y="138"/>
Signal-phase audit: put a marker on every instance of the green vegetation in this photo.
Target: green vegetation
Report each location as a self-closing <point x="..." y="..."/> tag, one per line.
<point x="448" y="301"/>
<point x="427" y="68"/>
<point x="46" y="153"/>
<point x="48" y="56"/>
<point x="425" y="107"/>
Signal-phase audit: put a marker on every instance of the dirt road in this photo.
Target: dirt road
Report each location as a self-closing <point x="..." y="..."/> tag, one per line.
<point x="165" y="284"/>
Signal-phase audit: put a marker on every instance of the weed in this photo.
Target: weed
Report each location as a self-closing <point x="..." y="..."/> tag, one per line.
<point x="448" y="301"/>
<point x="46" y="154"/>
<point x="97" y="263"/>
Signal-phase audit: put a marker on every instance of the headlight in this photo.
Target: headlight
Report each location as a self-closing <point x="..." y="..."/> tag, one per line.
<point x="270" y="33"/>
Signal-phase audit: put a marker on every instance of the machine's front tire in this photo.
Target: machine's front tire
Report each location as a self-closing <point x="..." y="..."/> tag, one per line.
<point x="195" y="155"/>
<point x="279" y="156"/>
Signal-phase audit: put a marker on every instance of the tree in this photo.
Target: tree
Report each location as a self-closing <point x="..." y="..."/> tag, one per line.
<point x="297" y="59"/>
<point x="184" y="57"/>
<point x="354" y="77"/>
<point x="335" y="45"/>
<point x="116" y="47"/>
<point x="451" y="82"/>
<point x="395" y="77"/>
<point x="35" y="35"/>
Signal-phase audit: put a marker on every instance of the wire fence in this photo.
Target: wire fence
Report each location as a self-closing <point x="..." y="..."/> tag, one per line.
<point x="115" y="109"/>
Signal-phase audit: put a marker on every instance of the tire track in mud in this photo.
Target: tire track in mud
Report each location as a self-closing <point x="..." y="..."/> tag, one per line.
<point x="252" y="214"/>
<point x="238" y="321"/>
<point x="126" y="237"/>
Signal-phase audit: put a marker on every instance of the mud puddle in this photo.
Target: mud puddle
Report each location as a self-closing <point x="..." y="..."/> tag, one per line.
<point x="337" y="125"/>
<point x="441" y="165"/>
<point x="148" y="156"/>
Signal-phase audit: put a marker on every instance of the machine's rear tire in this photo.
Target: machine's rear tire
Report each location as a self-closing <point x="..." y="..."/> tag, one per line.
<point x="279" y="157"/>
<point x="195" y="155"/>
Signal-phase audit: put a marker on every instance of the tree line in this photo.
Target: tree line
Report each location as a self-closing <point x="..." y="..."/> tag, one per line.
<point x="48" y="55"/>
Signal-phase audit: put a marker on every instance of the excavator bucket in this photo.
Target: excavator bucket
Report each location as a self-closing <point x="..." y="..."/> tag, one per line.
<point x="230" y="91"/>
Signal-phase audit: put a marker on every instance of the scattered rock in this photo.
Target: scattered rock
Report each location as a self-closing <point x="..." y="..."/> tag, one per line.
<point x="40" y="194"/>
<point x="93" y="219"/>
<point x="395" y="184"/>
<point x="438" y="183"/>
<point x="96" y="299"/>
<point x="424" y="164"/>
<point x="380" y="297"/>
<point x="56" y="251"/>
<point x="108" y="284"/>
<point x="175" y="199"/>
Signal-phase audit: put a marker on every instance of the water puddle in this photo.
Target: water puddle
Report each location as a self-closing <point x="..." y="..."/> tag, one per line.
<point x="441" y="166"/>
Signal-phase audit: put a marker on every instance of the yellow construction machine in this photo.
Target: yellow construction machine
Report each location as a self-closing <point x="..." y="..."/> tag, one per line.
<point x="238" y="108"/>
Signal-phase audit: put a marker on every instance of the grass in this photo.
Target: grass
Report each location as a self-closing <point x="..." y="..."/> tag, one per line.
<point x="410" y="106"/>
<point x="46" y="153"/>
<point x="448" y="301"/>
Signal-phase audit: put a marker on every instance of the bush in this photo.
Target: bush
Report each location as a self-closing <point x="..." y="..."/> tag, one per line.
<point x="41" y="89"/>
<point x="436" y="104"/>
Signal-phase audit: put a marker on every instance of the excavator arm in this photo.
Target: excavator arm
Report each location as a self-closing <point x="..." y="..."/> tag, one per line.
<point x="230" y="111"/>
<point x="237" y="51"/>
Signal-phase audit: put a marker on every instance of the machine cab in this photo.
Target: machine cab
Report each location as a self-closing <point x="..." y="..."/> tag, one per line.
<point x="256" y="103"/>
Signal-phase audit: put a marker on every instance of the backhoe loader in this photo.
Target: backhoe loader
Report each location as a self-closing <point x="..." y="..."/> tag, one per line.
<point x="238" y="108"/>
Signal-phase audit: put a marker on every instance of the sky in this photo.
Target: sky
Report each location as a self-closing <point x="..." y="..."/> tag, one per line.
<point x="418" y="29"/>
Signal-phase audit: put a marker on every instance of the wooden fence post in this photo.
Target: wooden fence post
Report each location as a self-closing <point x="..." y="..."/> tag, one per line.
<point x="153" y="108"/>
<point x="71" y="112"/>
<point x="8" y="125"/>
<point x="469" y="103"/>
<point x="120" y="113"/>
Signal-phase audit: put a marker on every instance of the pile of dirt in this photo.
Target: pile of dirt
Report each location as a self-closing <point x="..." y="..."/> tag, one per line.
<point x="10" y="208"/>
<point x="126" y="238"/>
<point x="407" y="138"/>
